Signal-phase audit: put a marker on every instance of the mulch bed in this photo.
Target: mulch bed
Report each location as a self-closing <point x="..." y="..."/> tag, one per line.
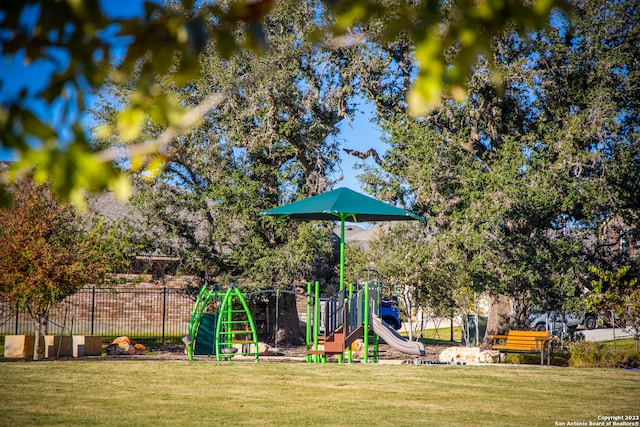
<point x="385" y="352"/>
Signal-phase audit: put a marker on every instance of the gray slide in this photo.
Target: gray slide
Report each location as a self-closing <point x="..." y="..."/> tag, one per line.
<point x="394" y="339"/>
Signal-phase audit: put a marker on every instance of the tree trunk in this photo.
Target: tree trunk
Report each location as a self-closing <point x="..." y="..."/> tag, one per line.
<point x="36" y="343"/>
<point x="499" y="319"/>
<point x="408" y="303"/>
<point x="281" y="329"/>
<point x="288" y="324"/>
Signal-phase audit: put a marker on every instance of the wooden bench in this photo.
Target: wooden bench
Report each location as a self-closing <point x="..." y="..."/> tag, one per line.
<point x="525" y="342"/>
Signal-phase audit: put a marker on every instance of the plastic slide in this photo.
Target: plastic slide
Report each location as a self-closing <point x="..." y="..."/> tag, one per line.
<point x="395" y="340"/>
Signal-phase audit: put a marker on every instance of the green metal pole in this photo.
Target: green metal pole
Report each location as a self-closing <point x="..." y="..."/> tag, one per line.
<point x="376" y="341"/>
<point x="254" y="335"/>
<point x="222" y="315"/>
<point x="308" y="337"/>
<point x="193" y="327"/>
<point x="229" y="320"/>
<point x="341" y="252"/>
<point x="316" y="320"/>
<point x="350" y="356"/>
<point x="196" y="317"/>
<point x="366" y="322"/>
<point x="376" y="338"/>
<point x="345" y="320"/>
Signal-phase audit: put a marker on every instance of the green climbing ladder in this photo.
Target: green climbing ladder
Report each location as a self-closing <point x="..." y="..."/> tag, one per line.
<point x="235" y="327"/>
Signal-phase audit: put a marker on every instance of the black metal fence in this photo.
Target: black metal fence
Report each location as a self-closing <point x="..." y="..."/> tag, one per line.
<point x="154" y="314"/>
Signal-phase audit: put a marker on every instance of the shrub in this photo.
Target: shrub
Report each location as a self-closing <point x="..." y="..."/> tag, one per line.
<point x="631" y="359"/>
<point x="558" y="358"/>
<point x="600" y="355"/>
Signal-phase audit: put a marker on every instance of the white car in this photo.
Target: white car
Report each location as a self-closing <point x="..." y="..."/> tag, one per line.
<point x="554" y="321"/>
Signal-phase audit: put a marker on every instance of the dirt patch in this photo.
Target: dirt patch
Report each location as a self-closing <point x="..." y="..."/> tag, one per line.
<point x="385" y="352"/>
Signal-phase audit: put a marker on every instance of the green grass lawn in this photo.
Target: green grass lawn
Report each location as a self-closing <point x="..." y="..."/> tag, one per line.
<point x="441" y="335"/>
<point x="160" y="392"/>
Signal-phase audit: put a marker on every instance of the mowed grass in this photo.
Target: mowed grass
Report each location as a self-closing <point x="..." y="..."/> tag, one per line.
<point x="204" y="393"/>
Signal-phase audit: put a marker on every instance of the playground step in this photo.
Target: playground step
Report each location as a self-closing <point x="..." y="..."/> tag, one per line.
<point x="334" y="342"/>
<point x="335" y="337"/>
<point x="338" y="342"/>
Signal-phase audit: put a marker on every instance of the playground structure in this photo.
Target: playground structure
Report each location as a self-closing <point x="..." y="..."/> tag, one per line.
<point x="221" y="324"/>
<point x="215" y="333"/>
<point x="387" y="307"/>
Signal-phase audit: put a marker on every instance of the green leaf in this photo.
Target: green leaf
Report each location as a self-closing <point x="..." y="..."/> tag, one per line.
<point x="130" y="123"/>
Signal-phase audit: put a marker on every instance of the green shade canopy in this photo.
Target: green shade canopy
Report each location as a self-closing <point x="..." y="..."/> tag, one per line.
<point x="341" y="204"/>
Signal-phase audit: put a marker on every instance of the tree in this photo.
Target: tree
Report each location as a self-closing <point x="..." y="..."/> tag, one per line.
<point x="272" y="141"/>
<point x="78" y="42"/>
<point x="518" y="182"/>
<point x="47" y="253"/>
<point x="618" y="294"/>
<point x="405" y="256"/>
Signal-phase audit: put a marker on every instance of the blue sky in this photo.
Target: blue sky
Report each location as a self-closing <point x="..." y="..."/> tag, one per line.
<point x="360" y="133"/>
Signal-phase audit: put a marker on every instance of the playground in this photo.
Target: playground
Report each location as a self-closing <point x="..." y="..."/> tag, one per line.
<point x="213" y="388"/>
<point x="332" y="322"/>
<point x="222" y="325"/>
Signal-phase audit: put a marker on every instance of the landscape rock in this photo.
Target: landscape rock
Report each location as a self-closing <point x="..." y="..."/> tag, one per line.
<point x="489" y="356"/>
<point x="357" y="349"/>
<point x="139" y="348"/>
<point x="263" y="348"/>
<point x="468" y="355"/>
<point x="124" y="346"/>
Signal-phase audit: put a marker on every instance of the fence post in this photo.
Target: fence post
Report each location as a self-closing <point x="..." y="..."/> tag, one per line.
<point x="93" y="308"/>
<point x="17" y="314"/>
<point x="164" y="310"/>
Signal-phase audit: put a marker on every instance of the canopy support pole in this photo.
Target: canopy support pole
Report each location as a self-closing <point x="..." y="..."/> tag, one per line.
<point x="341" y="252"/>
